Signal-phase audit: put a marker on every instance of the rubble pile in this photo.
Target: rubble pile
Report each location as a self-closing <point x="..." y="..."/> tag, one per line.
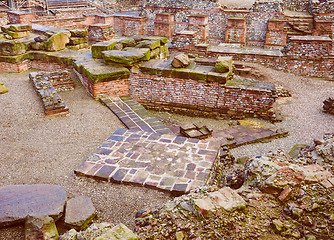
<point x="281" y="197"/>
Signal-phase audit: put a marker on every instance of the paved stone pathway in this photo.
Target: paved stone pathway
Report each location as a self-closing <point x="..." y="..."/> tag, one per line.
<point x="151" y="155"/>
<point x="164" y="161"/>
<point x="134" y="116"/>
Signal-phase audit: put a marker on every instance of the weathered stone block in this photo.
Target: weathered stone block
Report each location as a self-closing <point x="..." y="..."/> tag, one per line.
<point x="80" y="211"/>
<point x="122" y="57"/>
<point x="16" y="35"/>
<point x="33" y="200"/>
<point x="118" y="232"/>
<point x="40" y="228"/>
<point x="12" y="48"/>
<point x="78" y="46"/>
<point x="78" y="40"/>
<point x="219" y="77"/>
<point x="101" y="73"/>
<point x="127" y="42"/>
<point x="151" y="44"/>
<point x="224" y="64"/>
<point x="79" y="32"/>
<point x="17" y="28"/>
<point x="99" y="47"/>
<point x="145" y="51"/>
<point x="181" y="61"/>
<point x="57" y="42"/>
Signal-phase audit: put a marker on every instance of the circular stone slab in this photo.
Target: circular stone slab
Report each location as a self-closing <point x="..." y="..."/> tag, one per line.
<point x="19" y="201"/>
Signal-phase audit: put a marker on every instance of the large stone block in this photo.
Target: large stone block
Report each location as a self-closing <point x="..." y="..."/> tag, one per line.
<point x="78" y="40"/>
<point x="79" y="32"/>
<point x="123" y="57"/>
<point x="151" y="44"/>
<point x="224" y="64"/>
<point x="80" y="211"/>
<point x="145" y="51"/>
<point x="57" y="42"/>
<point x="17" y="27"/>
<point x="19" y="201"/>
<point x="12" y="48"/>
<point x="99" y="47"/>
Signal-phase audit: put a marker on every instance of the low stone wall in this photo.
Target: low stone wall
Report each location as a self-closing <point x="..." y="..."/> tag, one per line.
<point x="43" y="83"/>
<point x="78" y="22"/>
<point x="119" y="87"/>
<point x="200" y="97"/>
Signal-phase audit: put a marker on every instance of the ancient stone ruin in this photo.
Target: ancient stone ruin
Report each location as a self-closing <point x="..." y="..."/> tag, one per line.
<point x="141" y="59"/>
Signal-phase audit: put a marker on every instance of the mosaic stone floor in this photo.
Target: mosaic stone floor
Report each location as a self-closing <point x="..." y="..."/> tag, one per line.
<point x="149" y="154"/>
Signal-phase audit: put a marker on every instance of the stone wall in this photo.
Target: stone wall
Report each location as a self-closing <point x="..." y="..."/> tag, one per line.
<point x="296" y="5"/>
<point x="256" y="18"/>
<point x="119" y="87"/>
<point x="200" y="97"/>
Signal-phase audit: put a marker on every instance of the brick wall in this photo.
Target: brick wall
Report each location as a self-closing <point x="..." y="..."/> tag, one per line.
<point x="236" y="31"/>
<point x="72" y="22"/>
<point x="17" y="17"/>
<point x="276" y="34"/>
<point x="200" y="97"/>
<point x="15" y="67"/>
<point x="118" y="87"/>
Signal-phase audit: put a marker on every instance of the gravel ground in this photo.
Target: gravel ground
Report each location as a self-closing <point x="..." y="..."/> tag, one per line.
<point x="39" y="149"/>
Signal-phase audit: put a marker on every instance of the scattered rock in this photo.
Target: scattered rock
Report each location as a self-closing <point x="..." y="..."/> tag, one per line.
<point x="181" y="61"/>
<point x="329" y="105"/>
<point x="79" y="212"/>
<point x="19" y="201"/>
<point x="40" y="228"/>
<point x="118" y="232"/>
<point x="3" y="88"/>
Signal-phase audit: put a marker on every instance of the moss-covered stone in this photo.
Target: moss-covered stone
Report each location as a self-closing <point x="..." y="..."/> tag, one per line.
<point x="151" y="44"/>
<point x="78" y="40"/>
<point x="78" y="46"/>
<point x="57" y="42"/>
<point x="218" y="77"/>
<point x="79" y="33"/>
<point x="99" y="47"/>
<point x="15" y="59"/>
<point x="17" y="27"/>
<point x="37" y="46"/>
<point x="155" y="53"/>
<point x="145" y="51"/>
<point x="119" y="232"/>
<point x="3" y="89"/>
<point x="127" y="42"/>
<point x="122" y="57"/>
<point x="16" y="35"/>
<point x="223" y="64"/>
<point x="97" y="71"/>
<point x="296" y="149"/>
<point x="12" y="48"/>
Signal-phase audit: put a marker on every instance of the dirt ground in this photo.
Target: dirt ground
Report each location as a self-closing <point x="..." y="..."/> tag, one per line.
<point x="39" y="149"/>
